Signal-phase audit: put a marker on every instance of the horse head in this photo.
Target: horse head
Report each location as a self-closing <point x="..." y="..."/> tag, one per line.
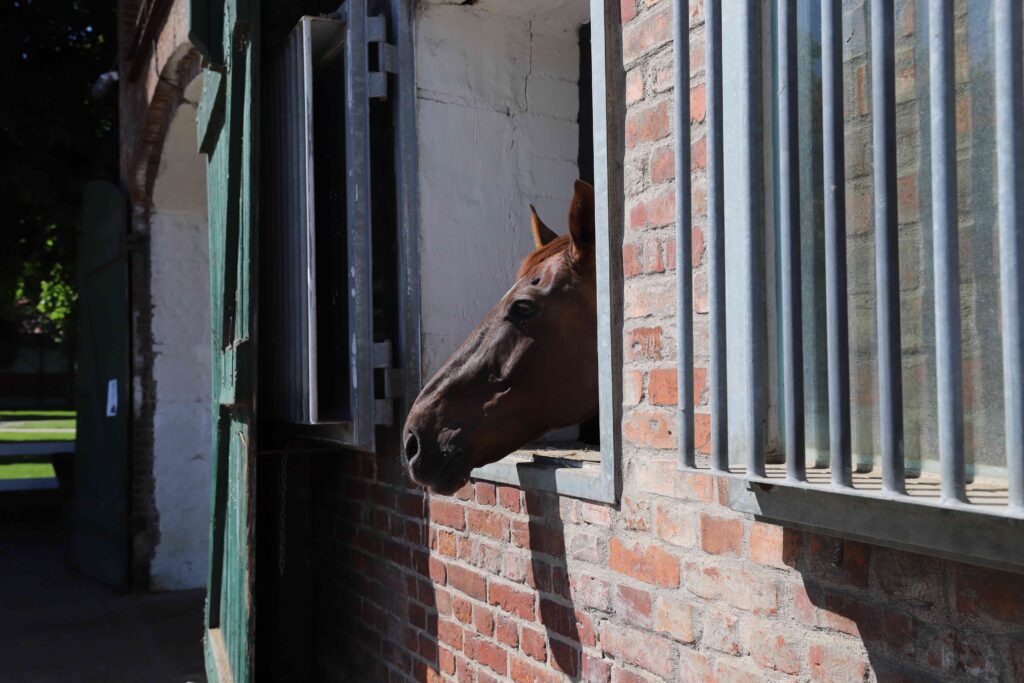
<point x="530" y="366"/>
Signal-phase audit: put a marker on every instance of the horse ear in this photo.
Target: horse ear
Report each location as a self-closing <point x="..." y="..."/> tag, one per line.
<point x="581" y="220"/>
<point x="542" y="234"/>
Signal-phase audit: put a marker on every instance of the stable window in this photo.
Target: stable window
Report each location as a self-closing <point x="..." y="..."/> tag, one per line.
<point x="872" y="231"/>
<point x="510" y="113"/>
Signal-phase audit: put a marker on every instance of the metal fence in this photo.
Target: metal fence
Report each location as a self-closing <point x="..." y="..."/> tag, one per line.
<point x="736" y="243"/>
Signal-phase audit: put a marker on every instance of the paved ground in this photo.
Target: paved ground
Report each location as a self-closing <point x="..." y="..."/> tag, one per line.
<point x="58" y="625"/>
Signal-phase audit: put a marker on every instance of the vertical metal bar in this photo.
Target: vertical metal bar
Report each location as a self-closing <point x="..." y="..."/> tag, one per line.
<point x="946" y="251"/>
<point x="887" y="285"/>
<point x="1009" y="144"/>
<point x="742" y="95"/>
<point x="358" y="219"/>
<point x="834" y="157"/>
<point x="789" y="239"/>
<point x="684" y="227"/>
<point x="717" y="392"/>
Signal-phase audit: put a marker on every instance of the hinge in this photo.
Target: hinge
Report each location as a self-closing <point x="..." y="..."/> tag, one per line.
<point x="384" y="408"/>
<point x="387" y="57"/>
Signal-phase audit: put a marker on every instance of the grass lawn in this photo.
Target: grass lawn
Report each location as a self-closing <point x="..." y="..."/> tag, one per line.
<point x="37" y="425"/>
<point x="26" y="470"/>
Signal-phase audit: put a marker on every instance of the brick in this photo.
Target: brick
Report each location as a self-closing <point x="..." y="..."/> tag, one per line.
<point x="446" y="543"/>
<point x="696" y="247"/>
<point x="488" y="523"/>
<point x="506" y="631"/>
<point x="916" y="579"/>
<point x="595" y="670"/>
<point x="663" y="165"/>
<point x="645" y="427"/>
<point x="989" y="594"/>
<point x="633" y="605"/>
<point x="649" y="298"/>
<point x="447" y="513"/>
<point x="654" y="211"/>
<point x="634" y="84"/>
<point x="773" y="545"/>
<point x="631" y="260"/>
<point x="698" y="155"/>
<point x="640" y="37"/>
<point x="632" y="387"/>
<point x="721" y="632"/>
<point x="533" y="644"/>
<point x="676" y="525"/>
<point x="468" y="581"/>
<point x="652" y="261"/>
<point x="746" y="590"/>
<point x="437" y="571"/>
<point x="483" y="620"/>
<point x="522" y="670"/>
<point x="698" y="103"/>
<point x="538" y="538"/>
<point x="465" y="493"/>
<point x="513" y="600"/>
<point x="829" y="664"/>
<point x="644" y="343"/>
<point x="645" y="650"/>
<point x="675" y="618"/>
<point x="634" y="514"/>
<point x="657" y="476"/>
<point x="596" y="514"/>
<point x="463" y="609"/>
<point x="648" y="564"/>
<point x="627" y="10"/>
<point x="565" y="658"/>
<point x="585" y="547"/>
<point x="841" y="562"/>
<point x="446" y="660"/>
<point x="648" y="125"/>
<point x="485" y="493"/>
<point x="721" y="535"/>
<point x="450" y="633"/>
<point x="694" y="666"/>
<point x="592" y="592"/>
<point x="558" y="618"/>
<point x="774" y="650"/>
<point x="486" y="653"/>
<point x="508" y="498"/>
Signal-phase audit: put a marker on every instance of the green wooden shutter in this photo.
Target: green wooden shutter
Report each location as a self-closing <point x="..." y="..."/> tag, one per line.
<point x="228" y="122"/>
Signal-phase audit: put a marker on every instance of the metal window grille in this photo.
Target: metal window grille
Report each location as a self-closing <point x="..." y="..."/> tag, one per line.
<point x="946" y="516"/>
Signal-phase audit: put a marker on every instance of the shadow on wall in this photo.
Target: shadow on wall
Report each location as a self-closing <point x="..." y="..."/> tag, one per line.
<point x="911" y="612"/>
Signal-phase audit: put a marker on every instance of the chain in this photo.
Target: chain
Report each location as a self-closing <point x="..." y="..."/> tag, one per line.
<point x="283" y="515"/>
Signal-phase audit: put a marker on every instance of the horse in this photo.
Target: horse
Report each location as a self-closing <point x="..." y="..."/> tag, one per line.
<point x="529" y="367"/>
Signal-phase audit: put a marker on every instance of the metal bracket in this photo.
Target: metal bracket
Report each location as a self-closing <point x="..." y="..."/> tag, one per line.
<point x="387" y="57"/>
<point x="384" y="408"/>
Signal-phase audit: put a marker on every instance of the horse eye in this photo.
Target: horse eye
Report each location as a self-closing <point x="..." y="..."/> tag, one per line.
<point x="522" y="309"/>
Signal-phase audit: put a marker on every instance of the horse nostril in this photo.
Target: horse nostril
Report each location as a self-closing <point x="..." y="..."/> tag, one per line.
<point x="412" y="446"/>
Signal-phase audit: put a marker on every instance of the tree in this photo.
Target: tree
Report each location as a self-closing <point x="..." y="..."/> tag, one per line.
<point x="54" y="137"/>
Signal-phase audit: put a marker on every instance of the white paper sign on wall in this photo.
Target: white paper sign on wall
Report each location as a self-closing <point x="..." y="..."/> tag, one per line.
<point x="111" y="398"/>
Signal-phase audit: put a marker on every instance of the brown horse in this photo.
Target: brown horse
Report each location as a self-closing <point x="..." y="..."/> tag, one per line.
<point x="529" y="367"/>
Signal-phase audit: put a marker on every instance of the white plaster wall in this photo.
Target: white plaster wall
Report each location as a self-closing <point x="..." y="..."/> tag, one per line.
<point x="181" y="332"/>
<point x="496" y="122"/>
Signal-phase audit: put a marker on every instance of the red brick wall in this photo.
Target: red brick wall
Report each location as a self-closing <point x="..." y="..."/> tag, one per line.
<point x="495" y="583"/>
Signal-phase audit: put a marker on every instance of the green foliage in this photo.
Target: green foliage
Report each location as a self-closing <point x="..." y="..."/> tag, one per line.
<point x="54" y="137"/>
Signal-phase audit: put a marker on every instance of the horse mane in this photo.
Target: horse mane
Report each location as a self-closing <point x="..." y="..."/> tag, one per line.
<point x="556" y="246"/>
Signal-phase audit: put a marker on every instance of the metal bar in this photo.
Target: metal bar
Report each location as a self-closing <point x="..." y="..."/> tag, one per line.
<point x="717" y="391"/>
<point x="834" y="166"/>
<point x="684" y="228"/>
<point x="360" y="242"/>
<point x="945" y="251"/>
<point x="887" y="285"/>
<point x="1009" y="143"/>
<point x="742" y="95"/>
<point x="789" y="238"/>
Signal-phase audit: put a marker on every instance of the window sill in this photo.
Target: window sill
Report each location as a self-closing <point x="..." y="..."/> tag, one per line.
<point x="963" y="533"/>
<point x="575" y="478"/>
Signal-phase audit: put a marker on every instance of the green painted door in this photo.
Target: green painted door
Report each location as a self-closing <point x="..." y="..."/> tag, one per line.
<point x="227" y="120"/>
<point x="98" y="545"/>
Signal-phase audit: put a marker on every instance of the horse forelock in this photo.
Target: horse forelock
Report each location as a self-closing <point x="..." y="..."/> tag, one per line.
<point x="556" y="246"/>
